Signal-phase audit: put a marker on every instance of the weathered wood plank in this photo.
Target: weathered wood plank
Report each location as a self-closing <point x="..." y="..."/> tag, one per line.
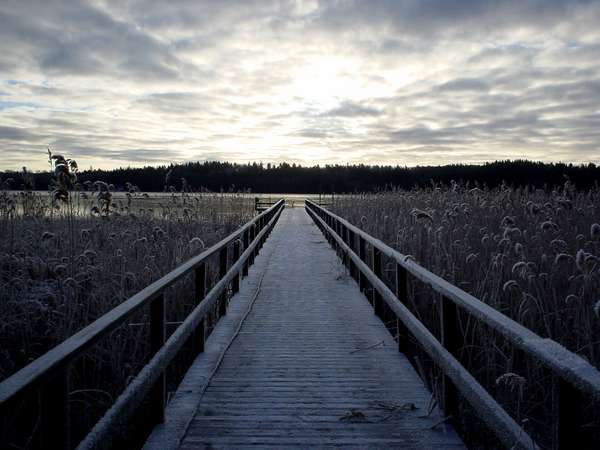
<point x="568" y="365"/>
<point x="312" y="365"/>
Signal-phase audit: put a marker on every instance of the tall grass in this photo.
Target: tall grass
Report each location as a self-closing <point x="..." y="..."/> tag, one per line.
<point x="69" y="255"/>
<point x="532" y="254"/>
<point x="59" y="269"/>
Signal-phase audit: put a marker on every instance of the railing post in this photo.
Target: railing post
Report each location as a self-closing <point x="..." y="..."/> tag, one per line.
<point x="337" y="232"/>
<point x="252" y="235"/>
<point x="352" y="245"/>
<point x="402" y="294"/>
<point x="246" y="242"/>
<point x="346" y="239"/>
<point x="332" y="238"/>
<point x="235" y="284"/>
<point x="377" y="301"/>
<point x="263" y="239"/>
<point x="55" y="415"/>
<point x="256" y="232"/>
<point x="157" y="340"/>
<point x="568" y="418"/>
<point x="451" y="342"/>
<point x="362" y="254"/>
<point x="334" y="228"/>
<point x="200" y="288"/>
<point x="222" y="273"/>
<point x="342" y="234"/>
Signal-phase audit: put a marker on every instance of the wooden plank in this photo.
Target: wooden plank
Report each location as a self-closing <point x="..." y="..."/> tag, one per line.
<point x="494" y="416"/>
<point x="158" y="393"/>
<point x="222" y="272"/>
<point x="184" y="402"/>
<point x="198" y="336"/>
<point x="570" y="366"/>
<point x="131" y="398"/>
<point x="55" y="417"/>
<point x="312" y="350"/>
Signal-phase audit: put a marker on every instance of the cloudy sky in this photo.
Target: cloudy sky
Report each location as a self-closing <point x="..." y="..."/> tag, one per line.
<point x="132" y="82"/>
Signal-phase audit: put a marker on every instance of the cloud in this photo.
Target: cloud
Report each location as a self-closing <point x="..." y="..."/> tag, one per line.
<point x="385" y="81"/>
<point x="16" y="134"/>
<point x="464" y="84"/>
<point x="350" y="109"/>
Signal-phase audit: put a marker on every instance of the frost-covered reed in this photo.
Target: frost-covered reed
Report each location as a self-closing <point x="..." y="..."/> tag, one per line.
<point x="532" y="254"/>
<point x="71" y="255"/>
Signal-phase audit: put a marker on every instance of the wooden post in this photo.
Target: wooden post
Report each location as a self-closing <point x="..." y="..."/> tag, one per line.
<point x="377" y="301"/>
<point x="256" y="231"/>
<point x="157" y="339"/>
<point x="352" y="245"/>
<point x="252" y="235"/>
<point x="263" y="238"/>
<point x="334" y="228"/>
<point x="362" y="254"/>
<point x="246" y="242"/>
<point x="222" y="273"/>
<point x="402" y="294"/>
<point x="346" y="238"/>
<point x="55" y="431"/>
<point x="235" y="284"/>
<point x="200" y="288"/>
<point x="451" y="341"/>
<point x="567" y="408"/>
<point x="342" y="234"/>
<point x="338" y="229"/>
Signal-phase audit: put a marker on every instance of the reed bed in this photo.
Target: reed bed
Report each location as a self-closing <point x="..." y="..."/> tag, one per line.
<point x="65" y="261"/>
<point x="532" y="254"/>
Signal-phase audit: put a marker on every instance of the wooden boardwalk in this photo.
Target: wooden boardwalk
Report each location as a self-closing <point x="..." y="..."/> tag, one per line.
<point x="301" y="361"/>
<point x="298" y="358"/>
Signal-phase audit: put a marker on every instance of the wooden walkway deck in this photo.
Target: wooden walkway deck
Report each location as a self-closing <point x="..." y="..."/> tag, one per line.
<point x="300" y="360"/>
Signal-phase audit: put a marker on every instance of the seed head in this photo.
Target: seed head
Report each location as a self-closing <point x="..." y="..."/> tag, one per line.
<point x="196" y="243"/>
<point x="520" y="269"/>
<point x="472" y="257"/>
<point x="420" y="214"/>
<point x="519" y="251"/>
<point x="510" y="284"/>
<point x="512" y="380"/>
<point x="580" y="259"/>
<point x="562" y="257"/>
<point x="46" y="236"/>
<point x="548" y="225"/>
<point x="571" y="298"/>
<point x="595" y="231"/>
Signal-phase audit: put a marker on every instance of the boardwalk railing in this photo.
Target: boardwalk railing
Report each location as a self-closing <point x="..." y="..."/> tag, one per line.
<point x="575" y="380"/>
<point x="263" y="203"/>
<point x="49" y="373"/>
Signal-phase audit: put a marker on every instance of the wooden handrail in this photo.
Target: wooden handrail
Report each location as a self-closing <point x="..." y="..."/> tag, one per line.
<point x="58" y="358"/>
<point x="576" y="374"/>
<point x="135" y="392"/>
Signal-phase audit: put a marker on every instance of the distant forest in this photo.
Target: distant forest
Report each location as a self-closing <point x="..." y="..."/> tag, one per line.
<point x="292" y="178"/>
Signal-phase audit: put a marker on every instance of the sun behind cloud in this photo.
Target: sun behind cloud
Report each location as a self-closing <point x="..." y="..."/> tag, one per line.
<point x="404" y="82"/>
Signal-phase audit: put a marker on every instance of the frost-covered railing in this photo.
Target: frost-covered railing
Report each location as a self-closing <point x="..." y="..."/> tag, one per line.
<point x="575" y="380"/>
<point x="50" y="371"/>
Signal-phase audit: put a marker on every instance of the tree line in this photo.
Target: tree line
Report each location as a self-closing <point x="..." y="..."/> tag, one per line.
<point x="291" y="178"/>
